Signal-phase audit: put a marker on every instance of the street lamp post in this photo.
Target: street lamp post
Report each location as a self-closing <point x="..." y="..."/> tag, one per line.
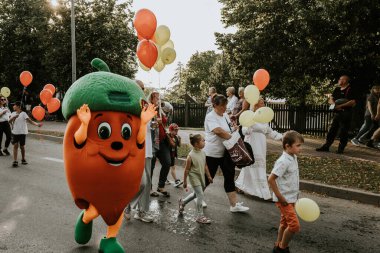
<point x="73" y="50"/>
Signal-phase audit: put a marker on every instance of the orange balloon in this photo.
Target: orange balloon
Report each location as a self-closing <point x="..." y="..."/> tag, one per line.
<point x="50" y="87"/>
<point x="145" y="23"/>
<point x="147" y="53"/>
<point x="38" y="113"/>
<point x="53" y="105"/>
<point x="139" y="37"/>
<point x="261" y="78"/>
<point x="46" y="96"/>
<point x="26" y="78"/>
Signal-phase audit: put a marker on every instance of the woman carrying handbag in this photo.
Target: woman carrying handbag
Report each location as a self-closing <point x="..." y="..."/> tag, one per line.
<point x="217" y="130"/>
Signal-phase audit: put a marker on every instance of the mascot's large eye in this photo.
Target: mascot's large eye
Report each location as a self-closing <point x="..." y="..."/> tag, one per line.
<point x="104" y="130"/>
<point x="126" y="131"/>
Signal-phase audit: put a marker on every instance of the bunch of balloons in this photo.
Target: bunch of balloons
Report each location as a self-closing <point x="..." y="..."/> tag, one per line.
<point x="252" y="95"/>
<point x="155" y="49"/>
<point x="46" y="97"/>
<point x="307" y="209"/>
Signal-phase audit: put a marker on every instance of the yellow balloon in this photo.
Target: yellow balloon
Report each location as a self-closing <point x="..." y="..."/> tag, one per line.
<point x="168" y="55"/>
<point x="168" y="44"/>
<point x="143" y="66"/>
<point x="251" y="94"/>
<point x="307" y="209"/>
<point x="159" y="65"/>
<point x="5" y="91"/>
<point x="263" y="115"/>
<point x="246" y="118"/>
<point x="162" y="35"/>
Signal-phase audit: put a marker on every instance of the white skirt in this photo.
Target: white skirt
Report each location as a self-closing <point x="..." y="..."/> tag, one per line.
<point x="253" y="179"/>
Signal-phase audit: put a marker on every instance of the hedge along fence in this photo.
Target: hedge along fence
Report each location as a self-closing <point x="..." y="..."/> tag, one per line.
<point x="312" y="120"/>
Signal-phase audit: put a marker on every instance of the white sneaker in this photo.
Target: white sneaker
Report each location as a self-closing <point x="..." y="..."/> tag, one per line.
<point x="177" y="183"/>
<point x="204" y="204"/>
<point x="143" y="217"/>
<point x="239" y="208"/>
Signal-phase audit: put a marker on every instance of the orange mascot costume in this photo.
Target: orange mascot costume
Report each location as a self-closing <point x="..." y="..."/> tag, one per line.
<point x="104" y="149"/>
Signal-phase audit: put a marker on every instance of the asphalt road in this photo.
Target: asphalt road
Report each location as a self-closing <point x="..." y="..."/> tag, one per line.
<point x="37" y="214"/>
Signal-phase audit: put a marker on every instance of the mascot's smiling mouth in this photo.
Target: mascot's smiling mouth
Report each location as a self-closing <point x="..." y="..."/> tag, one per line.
<point x="113" y="162"/>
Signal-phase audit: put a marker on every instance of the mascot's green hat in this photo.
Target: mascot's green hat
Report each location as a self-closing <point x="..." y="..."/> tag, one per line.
<point x="103" y="91"/>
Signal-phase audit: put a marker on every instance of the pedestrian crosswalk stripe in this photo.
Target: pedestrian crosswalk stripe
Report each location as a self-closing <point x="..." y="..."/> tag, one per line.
<point x="53" y="159"/>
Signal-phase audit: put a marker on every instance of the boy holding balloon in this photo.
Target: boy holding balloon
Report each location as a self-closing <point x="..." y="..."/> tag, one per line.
<point x="284" y="181"/>
<point x="19" y="131"/>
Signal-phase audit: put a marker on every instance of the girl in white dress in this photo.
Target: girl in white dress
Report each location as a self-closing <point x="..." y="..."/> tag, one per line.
<point x="253" y="179"/>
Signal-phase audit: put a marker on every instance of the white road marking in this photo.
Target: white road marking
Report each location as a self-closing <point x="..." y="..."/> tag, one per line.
<point x="53" y="159"/>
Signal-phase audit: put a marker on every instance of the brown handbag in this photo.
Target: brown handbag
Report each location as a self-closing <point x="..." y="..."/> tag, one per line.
<point x="240" y="151"/>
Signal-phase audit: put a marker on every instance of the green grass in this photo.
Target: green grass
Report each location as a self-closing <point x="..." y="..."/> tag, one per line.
<point x="364" y="175"/>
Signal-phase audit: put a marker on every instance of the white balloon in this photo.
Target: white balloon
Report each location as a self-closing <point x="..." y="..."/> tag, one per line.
<point x="159" y="65"/>
<point x="263" y="115"/>
<point x="246" y="118"/>
<point x="169" y="44"/>
<point x="162" y="34"/>
<point x="307" y="209"/>
<point x="168" y="55"/>
<point x="251" y="94"/>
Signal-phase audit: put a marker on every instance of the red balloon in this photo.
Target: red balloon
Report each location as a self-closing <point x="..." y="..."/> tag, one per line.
<point x="145" y="23"/>
<point x="46" y="96"/>
<point x="53" y="105"/>
<point x="261" y="78"/>
<point x="26" y="78"/>
<point x="147" y="53"/>
<point x="38" y="113"/>
<point x="50" y="87"/>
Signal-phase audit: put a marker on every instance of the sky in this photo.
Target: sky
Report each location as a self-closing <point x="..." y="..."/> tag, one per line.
<point x="192" y="24"/>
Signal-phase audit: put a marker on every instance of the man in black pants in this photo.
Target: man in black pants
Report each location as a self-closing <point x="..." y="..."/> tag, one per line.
<point x="343" y="114"/>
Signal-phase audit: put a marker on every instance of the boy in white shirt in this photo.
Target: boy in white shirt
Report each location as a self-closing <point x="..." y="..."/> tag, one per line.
<point x="19" y="131"/>
<point x="284" y="181"/>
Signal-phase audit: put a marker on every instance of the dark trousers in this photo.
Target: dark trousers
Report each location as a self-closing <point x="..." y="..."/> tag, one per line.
<point x="6" y="129"/>
<point x="163" y="155"/>
<point x="341" y="122"/>
<point x="228" y="168"/>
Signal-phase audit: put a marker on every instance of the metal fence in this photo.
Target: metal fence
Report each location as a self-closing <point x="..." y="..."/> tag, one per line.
<point x="312" y="120"/>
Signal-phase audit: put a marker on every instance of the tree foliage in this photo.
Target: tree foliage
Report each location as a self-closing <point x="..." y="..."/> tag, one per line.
<point x="37" y="37"/>
<point x="302" y="43"/>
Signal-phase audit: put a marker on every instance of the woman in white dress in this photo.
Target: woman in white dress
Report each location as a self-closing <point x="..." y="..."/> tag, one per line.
<point x="253" y="179"/>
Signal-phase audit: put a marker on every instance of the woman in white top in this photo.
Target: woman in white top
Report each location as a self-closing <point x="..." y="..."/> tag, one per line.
<point x="253" y="179"/>
<point x="4" y="125"/>
<point x="218" y="128"/>
<point x="232" y="99"/>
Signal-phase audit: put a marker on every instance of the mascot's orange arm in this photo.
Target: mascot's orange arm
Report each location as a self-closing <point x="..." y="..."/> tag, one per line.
<point x="147" y="113"/>
<point x="84" y="115"/>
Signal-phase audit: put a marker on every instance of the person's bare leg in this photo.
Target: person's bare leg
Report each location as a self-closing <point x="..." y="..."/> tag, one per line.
<point x="89" y="214"/>
<point x="286" y="238"/>
<point x="22" y="152"/>
<point x="232" y="198"/>
<point x="172" y="172"/>
<point x="280" y="234"/>
<point x="15" y="149"/>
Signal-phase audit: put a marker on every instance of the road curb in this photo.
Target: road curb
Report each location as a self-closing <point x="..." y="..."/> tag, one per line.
<point x="329" y="190"/>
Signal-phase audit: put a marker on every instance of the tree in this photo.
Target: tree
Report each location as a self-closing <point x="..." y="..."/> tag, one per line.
<point x="302" y="43"/>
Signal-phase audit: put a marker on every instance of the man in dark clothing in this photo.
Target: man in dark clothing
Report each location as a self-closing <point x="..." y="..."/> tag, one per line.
<point x="343" y="114"/>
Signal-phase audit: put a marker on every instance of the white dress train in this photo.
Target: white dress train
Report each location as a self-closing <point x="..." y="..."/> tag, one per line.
<point x="253" y="179"/>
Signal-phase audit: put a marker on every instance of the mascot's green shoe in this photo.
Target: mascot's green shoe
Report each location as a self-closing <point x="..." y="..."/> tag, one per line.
<point x="110" y="245"/>
<point x="83" y="231"/>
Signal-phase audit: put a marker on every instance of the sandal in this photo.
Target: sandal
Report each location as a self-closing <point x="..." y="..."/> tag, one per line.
<point x="24" y="162"/>
<point x="154" y="194"/>
<point x="165" y="193"/>
<point x="203" y="220"/>
<point x="15" y="164"/>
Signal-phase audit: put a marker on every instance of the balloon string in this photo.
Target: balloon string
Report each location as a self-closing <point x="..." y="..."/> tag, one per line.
<point x="159" y="94"/>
